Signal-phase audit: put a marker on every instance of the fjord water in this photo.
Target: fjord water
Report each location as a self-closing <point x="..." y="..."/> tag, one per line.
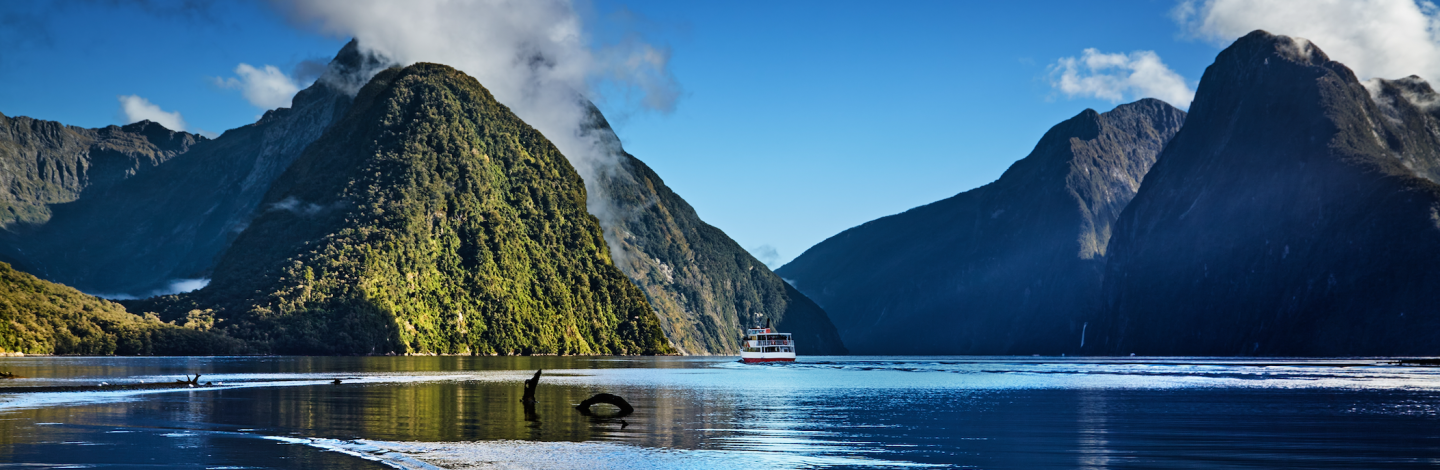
<point x="822" y="412"/>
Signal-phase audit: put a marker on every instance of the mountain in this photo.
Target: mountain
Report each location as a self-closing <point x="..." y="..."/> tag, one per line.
<point x="146" y="234"/>
<point x="1295" y="214"/>
<point x="705" y="288"/>
<point x="1011" y="267"/>
<point x="429" y="219"/>
<point x="138" y="235"/>
<point x="43" y="163"/>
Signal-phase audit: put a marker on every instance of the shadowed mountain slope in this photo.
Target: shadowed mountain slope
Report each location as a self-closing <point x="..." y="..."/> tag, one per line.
<point x="1008" y="268"/>
<point x="1291" y="216"/>
<point x="44" y="163"/>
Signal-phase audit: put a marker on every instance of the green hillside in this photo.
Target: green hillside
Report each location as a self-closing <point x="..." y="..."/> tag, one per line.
<point x="430" y="219"/>
<point x="41" y="317"/>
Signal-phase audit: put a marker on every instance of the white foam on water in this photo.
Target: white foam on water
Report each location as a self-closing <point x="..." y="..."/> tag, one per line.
<point x="512" y="454"/>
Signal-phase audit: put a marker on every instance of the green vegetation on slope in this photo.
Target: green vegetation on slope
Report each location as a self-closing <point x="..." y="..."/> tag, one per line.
<point x="430" y="219"/>
<point x="41" y="317"/>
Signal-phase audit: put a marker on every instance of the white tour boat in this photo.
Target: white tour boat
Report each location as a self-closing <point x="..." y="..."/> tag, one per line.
<point x="765" y="345"/>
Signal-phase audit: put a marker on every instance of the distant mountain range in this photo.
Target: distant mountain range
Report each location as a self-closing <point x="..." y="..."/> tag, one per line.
<point x="1294" y="213"/>
<point x="335" y="227"/>
<point x="1011" y="267"/>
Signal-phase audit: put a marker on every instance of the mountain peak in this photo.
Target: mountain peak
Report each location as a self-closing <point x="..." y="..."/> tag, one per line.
<point x="1260" y="228"/>
<point x="1261" y="44"/>
<point x="353" y="67"/>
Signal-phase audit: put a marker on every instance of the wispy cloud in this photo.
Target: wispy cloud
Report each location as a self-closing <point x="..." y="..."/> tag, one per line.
<point x="1120" y="77"/>
<point x="266" y="87"/>
<point x="135" y="109"/>
<point x="1375" y="38"/>
<point x="766" y="254"/>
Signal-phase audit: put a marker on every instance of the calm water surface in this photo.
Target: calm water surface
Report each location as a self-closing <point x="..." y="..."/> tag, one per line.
<point x="823" y="412"/>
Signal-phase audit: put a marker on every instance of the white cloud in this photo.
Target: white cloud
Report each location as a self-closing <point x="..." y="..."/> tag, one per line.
<point x="176" y="286"/>
<point x="1375" y="38"/>
<point x="136" y="109"/>
<point x="266" y="88"/>
<point x="1120" y="77"/>
<point x="767" y="254"/>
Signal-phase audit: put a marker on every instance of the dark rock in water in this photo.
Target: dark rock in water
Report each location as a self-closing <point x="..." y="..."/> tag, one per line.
<point x="1011" y="267"/>
<point x="705" y="288"/>
<point x="1293" y="215"/>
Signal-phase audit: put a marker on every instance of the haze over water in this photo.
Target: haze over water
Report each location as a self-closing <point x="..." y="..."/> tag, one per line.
<point x="694" y="412"/>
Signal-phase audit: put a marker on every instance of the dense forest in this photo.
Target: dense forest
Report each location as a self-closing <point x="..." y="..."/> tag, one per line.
<point x="42" y="317"/>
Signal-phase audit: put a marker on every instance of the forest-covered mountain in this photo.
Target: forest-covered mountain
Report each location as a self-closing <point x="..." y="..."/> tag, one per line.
<point x="1011" y="267"/>
<point x="1295" y="214"/>
<point x="430" y="219"/>
<point x="705" y="288"/>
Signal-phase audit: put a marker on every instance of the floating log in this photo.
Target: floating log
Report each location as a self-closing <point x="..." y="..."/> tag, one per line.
<point x="625" y="408"/>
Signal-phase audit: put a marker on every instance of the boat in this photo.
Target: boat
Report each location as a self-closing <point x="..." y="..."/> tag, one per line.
<point x="766" y="345"/>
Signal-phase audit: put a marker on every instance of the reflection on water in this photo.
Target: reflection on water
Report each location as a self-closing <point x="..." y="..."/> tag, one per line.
<point x="458" y="412"/>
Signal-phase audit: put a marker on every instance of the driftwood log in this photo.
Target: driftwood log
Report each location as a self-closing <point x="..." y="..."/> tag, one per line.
<point x="625" y="408"/>
<point x="530" y="384"/>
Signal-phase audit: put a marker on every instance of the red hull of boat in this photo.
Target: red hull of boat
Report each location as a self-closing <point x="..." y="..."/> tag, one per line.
<point x="773" y="359"/>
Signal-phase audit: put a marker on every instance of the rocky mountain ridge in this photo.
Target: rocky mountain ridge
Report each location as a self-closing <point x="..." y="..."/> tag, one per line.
<point x="1294" y="214"/>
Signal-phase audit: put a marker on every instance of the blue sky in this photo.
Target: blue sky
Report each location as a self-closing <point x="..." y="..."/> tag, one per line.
<point x="794" y="120"/>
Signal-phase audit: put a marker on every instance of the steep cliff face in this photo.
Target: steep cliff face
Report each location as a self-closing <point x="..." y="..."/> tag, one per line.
<point x="137" y="236"/>
<point x="430" y="219"/>
<point x="705" y="288"/>
<point x="1008" y="268"/>
<point x="44" y="163"/>
<point x="1291" y="216"/>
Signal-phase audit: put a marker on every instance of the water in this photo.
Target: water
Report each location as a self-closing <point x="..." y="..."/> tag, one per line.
<point x="823" y="412"/>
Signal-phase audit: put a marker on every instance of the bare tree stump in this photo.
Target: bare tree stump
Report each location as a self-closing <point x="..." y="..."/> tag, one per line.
<point x="625" y="408"/>
<point x="530" y="384"/>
